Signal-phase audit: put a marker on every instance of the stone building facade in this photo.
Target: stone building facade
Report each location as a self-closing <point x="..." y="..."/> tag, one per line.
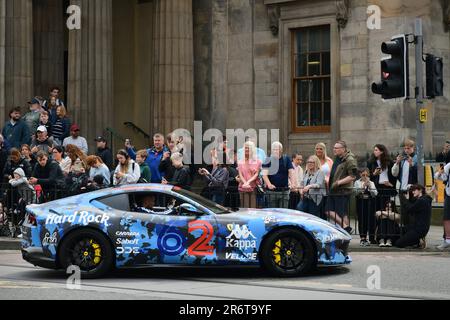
<point x="301" y="66"/>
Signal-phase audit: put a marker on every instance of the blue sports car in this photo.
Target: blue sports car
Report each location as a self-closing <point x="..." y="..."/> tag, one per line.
<point x="146" y="224"/>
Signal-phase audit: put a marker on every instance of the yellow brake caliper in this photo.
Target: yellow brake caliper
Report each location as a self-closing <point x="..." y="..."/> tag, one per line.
<point x="276" y="252"/>
<point x="97" y="251"/>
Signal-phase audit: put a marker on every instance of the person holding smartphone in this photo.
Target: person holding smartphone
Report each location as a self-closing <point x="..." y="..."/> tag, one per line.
<point x="405" y="167"/>
<point x="444" y="175"/>
<point x="380" y="167"/>
<point x="217" y="180"/>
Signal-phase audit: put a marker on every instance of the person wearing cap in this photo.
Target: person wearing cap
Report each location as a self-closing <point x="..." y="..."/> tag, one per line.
<point x="419" y="209"/>
<point x="76" y="140"/>
<point x="16" y="131"/>
<point x="42" y="142"/>
<point x="104" y="152"/>
<point x="32" y="118"/>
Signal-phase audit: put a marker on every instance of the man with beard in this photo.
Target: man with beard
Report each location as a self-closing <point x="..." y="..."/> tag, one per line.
<point x="16" y="130"/>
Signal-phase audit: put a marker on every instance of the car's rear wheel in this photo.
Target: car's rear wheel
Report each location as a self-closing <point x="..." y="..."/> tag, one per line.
<point x="89" y="250"/>
<point x="288" y="253"/>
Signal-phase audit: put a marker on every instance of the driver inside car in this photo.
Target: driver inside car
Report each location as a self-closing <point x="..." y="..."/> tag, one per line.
<point x="148" y="204"/>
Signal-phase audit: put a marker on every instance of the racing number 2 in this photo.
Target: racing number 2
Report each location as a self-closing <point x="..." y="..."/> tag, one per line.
<point x="201" y="246"/>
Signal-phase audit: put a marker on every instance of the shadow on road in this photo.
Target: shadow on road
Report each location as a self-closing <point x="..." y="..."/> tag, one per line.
<point x="186" y="273"/>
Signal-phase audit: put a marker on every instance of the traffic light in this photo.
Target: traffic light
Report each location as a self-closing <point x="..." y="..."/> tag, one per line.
<point x="435" y="76"/>
<point x="394" y="70"/>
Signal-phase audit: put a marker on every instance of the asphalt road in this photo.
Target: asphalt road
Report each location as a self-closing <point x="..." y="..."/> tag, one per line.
<point x="402" y="276"/>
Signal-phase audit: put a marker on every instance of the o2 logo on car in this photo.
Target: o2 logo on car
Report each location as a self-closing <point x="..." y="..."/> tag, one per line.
<point x="171" y="242"/>
<point x="201" y="247"/>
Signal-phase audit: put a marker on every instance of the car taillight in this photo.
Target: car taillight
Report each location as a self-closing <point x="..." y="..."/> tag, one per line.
<point x="30" y="219"/>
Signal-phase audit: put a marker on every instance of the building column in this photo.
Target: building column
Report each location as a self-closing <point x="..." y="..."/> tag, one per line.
<point x="48" y="34"/>
<point x="90" y="80"/>
<point x="173" y="63"/>
<point x="16" y="24"/>
<point x="2" y="60"/>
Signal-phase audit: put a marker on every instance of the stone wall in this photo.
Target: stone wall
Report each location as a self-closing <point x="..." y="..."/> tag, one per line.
<point x="246" y="69"/>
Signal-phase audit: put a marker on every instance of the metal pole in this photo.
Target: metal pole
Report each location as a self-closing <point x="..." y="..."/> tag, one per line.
<point x="419" y="100"/>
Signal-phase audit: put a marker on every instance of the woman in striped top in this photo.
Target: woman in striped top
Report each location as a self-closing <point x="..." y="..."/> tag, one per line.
<point x="61" y="127"/>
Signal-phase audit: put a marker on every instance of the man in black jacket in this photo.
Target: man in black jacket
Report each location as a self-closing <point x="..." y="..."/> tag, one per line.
<point x="48" y="175"/>
<point x="104" y="152"/>
<point x="182" y="176"/>
<point x="444" y="156"/>
<point x="419" y="213"/>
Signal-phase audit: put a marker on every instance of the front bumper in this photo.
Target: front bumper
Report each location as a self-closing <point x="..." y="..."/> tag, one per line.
<point x="334" y="254"/>
<point x="36" y="257"/>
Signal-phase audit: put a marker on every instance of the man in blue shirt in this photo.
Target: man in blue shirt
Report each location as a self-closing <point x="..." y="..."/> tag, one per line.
<point x="16" y="131"/>
<point x="155" y="155"/>
<point x="277" y="177"/>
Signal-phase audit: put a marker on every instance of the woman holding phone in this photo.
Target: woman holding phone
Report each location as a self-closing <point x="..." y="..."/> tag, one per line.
<point x="380" y="166"/>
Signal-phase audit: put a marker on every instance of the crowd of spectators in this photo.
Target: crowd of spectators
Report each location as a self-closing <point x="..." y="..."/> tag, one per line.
<point x="43" y="156"/>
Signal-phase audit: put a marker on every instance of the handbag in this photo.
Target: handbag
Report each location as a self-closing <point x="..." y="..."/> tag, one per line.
<point x="259" y="188"/>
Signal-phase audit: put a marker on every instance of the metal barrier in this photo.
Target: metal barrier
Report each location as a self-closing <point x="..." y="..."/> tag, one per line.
<point x="366" y="215"/>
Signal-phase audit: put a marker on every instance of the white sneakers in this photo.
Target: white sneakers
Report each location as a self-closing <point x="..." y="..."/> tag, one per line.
<point x="443" y="246"/>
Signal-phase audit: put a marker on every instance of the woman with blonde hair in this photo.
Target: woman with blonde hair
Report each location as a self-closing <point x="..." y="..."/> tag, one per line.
<point x="61" y="125"/>
<point x="249" y="169"/>
<point x="326" y="163"/>
<point x="312" y="189"/>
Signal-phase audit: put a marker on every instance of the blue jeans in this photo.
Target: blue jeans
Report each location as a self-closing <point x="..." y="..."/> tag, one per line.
<point x="309" y="206"/>
<point x="218" y="198"/>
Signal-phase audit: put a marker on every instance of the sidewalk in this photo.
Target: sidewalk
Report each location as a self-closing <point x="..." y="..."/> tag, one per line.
<point x="434" y="238"/>
<point x="9" y="244"/>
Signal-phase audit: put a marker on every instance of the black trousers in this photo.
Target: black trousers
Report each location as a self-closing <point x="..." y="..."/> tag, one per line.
<point x="410" y="238"/>
<point x="387" y="229"/>
<point x="366" y="217"/>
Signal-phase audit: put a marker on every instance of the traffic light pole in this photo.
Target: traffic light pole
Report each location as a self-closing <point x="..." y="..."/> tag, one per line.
<point x="419" y="100"/>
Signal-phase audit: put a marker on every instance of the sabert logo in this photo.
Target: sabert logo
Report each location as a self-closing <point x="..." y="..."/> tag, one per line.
<point x="240" y="237"/>
<point x="78" y="217"/>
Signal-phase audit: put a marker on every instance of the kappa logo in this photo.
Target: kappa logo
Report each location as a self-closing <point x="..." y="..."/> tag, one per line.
<point x="239" y="232"/>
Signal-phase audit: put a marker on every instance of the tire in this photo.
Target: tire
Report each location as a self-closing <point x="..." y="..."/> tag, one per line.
<point x="81" y="248"/>
<point x="288" y="253"/>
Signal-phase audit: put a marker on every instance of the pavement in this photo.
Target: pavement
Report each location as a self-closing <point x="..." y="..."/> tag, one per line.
<point x="371" y="276"/>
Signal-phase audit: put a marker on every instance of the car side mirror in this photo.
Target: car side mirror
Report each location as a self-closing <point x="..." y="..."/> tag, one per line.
<point x="187" y="207"/>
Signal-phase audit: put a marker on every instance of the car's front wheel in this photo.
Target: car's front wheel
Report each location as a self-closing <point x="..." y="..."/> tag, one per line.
<point x="89" y="250"/>
<point x="288" y="252"/>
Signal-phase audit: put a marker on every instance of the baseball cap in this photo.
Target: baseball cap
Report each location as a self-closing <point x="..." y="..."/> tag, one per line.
<point x="100" y="139"/>
<point x="74" y="127"/>
<point x="41" y="129"/>
<point x="34" y="101"/>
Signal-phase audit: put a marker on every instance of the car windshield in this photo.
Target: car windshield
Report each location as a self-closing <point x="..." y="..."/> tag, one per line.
<point x="214" y="207"/>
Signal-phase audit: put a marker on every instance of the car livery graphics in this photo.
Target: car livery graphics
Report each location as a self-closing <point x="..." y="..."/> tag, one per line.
<point x="203" y="238"/>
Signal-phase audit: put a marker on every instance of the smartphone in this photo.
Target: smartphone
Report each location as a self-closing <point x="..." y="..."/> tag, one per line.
<point x="442" y="166"/>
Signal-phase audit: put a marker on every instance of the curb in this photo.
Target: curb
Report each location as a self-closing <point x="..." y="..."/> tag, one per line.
<point x="10" y="244"/>
<point x="395" y="250"/>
